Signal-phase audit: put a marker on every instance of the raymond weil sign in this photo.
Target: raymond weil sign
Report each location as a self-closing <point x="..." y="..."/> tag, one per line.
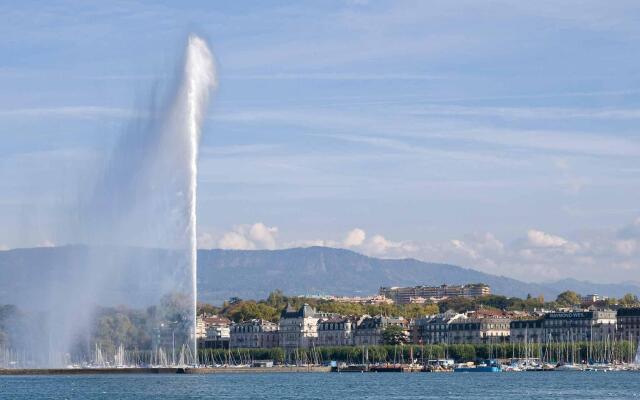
<point x="570" y="315"/>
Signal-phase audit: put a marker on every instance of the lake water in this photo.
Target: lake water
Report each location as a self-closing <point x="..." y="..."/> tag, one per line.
<point x="530" y="385"/>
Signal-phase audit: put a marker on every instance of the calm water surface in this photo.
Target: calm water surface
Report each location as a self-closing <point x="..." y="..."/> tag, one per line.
<point x="546" y="385"/>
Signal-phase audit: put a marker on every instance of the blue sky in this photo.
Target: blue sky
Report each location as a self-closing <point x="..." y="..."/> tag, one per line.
<point x="500" y="135"/>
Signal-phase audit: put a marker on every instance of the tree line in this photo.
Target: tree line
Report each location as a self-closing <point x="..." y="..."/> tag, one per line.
<point x="239" y="310"/>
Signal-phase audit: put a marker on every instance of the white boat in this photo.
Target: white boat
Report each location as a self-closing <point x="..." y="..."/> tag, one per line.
<point x="601" y="367"/>
<point x="569" y="367"/>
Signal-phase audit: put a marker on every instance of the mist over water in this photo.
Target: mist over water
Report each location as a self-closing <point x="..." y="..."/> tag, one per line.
<point x="137" y="223"/>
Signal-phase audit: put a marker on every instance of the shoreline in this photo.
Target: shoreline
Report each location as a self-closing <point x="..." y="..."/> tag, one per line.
<point x="162" y="370"/>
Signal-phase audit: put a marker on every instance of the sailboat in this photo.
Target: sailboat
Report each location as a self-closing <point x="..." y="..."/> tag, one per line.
<point x="635" y="364"/>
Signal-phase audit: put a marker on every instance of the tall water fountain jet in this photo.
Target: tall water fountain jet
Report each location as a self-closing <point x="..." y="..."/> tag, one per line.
<point x="138" y="221"/>
<point x="200" y="79"/>
<point x="151" y="192"/>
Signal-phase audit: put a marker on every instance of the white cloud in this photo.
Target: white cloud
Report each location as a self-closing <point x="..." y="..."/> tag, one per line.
<point x="235" y="241"/>
<point x="354" y="238"/>
<point x="250" y="237"/>
<point x="263" y="235"/>
<point x="536" y="256"/>
<point x="537" y="238"/>
<point x="380" y="246"/>
<point x="312" y="243"/>
<point x="539" y="256"/>
<point x="626" y="247"/>
<point x="464" y="248"/>
<point x="477" y="250"/>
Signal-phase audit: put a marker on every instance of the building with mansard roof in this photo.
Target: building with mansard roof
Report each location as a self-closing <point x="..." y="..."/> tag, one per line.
<point x="256" y="333"/>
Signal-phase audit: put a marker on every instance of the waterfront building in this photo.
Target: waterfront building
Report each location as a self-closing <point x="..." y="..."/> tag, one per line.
<point x="421" y="294"/>
<point x="370" y="329"/>
<point x="527" y="331"/>
<point x="298" y="328"/>
<point x="336" y="331"/>
<point x="628" y="324"/>
<point x="201" y="329"/>
<point x="204" y="321"/>
<point x="434" y="329"/>
<point x="217" y="332"/>
<point x="575" y="326"/>
<point x="479" y="330"/>
<point x="255" y="334"/>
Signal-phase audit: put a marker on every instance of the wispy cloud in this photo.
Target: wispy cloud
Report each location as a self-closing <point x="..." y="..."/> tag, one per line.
<point x="360" y="76"/>
<point x="536" y="113"/>
<point x="70" y="112"/>
<point x="392" y="128"/>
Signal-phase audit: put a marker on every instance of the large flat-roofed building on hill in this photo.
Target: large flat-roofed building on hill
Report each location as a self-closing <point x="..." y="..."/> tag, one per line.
<point x="418" y="294"/>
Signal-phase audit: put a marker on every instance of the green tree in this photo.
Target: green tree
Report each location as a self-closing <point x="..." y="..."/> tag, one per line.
<point x="205" y="308"/>
<point x="247" y="310"/>
<point x="394" y="334"/>
<point x="457" y="304"/>
<point x="277" y="299"/>
<point x="629" y="300"/>
<point x="412" y="311"/>
<point x="568" y="298"/>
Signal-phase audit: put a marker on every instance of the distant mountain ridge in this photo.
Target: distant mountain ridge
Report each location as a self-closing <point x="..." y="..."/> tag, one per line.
<point x="343" y="272"/>
<point x="252" y="274"/>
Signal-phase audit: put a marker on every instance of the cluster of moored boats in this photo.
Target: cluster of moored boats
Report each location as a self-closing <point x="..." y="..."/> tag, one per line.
<point x="487" y="366"/>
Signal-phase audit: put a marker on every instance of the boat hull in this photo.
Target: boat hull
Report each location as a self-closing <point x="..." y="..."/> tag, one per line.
<point x="478" y="369"/>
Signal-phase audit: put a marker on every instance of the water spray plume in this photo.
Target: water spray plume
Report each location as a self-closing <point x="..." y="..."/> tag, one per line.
<point x="139" y="224"/>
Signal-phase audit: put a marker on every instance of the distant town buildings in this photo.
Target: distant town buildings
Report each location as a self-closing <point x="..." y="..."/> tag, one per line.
<point x="304" y="327"/>
<point x="422" y="294"/>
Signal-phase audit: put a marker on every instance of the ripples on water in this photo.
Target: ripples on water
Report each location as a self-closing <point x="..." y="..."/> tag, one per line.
<point x="545" y="385"/>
